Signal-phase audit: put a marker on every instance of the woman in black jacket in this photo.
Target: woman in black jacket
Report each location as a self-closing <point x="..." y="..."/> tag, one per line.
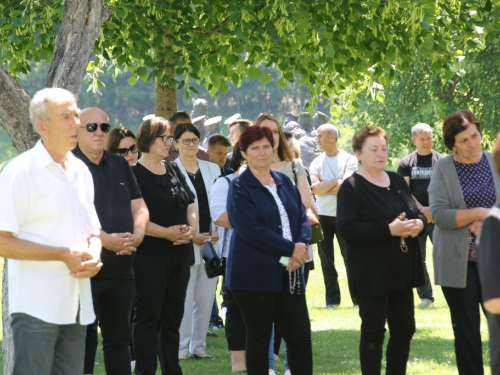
<point x="379" y="221"/>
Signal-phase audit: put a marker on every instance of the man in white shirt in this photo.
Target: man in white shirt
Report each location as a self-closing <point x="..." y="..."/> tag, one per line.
<point x="327" y="172"/>
<point x="49" y="232"/>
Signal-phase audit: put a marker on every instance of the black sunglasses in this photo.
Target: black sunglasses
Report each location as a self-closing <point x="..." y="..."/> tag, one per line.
<point x="124" y="151"/>
<point x="92" y="127"/>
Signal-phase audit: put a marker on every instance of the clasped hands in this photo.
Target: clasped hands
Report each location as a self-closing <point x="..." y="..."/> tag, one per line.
<point x="402" y="227"/>
<point x="84" y="262"/>
<point x="298" y="257"/>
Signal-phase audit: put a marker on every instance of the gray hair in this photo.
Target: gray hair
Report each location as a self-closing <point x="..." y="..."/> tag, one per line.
<point x="41" y="100"/>
<point x="330" y="129"/>
<point x="421" y="127"/>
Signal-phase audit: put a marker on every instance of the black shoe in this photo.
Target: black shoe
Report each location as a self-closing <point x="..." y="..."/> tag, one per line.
<point x="211" y="334"/>
<point x="196" y="356"/>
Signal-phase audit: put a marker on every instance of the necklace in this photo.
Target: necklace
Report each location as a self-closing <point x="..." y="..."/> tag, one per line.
<point x="193" y="175"/>
<point x="294" y="281"/>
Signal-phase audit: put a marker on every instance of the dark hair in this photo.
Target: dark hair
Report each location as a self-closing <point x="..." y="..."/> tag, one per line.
<point x="288" y="135"/>
<point x="180" y="129"/>
<point x="218" y="139"/>
<point x="115" y="136"/>
<point x="254" y="134"/>
<point x="172" y="120"/>
<point x="456" y="123"/>
<point x="284" y="151"/>
<point x="242" y="124"/>
<point x="149" y="131"/>
<point x="368" y="131"/>
<point x="237" y="159"/>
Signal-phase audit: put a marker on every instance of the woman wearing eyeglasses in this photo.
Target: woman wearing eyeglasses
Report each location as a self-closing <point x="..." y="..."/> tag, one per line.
<point x="163" y="259"/>
<point x="200" y="176"/>
<point x="121" y="141"/>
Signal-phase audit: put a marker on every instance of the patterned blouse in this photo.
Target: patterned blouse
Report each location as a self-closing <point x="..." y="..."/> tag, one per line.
<point x="478" y="188"/>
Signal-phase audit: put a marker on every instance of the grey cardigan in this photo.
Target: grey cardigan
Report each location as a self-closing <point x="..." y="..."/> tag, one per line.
<point x="451" y="244"/>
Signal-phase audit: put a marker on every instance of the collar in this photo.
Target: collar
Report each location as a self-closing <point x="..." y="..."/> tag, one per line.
<point x="249" y="179"/>
<point x="77" y="152"/>
<point x="43" y="156"/>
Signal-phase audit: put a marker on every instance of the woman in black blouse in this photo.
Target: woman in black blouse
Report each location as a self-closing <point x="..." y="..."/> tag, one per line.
<point x="163" y="259"/>
<point x="379" y="220"/>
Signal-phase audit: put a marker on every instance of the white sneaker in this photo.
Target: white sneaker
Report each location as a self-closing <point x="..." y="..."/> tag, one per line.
<point x="271" y="372"/>
<point x="425" y="302"/>
<point x="132" y="366"/>
<point x="288" y="372"/>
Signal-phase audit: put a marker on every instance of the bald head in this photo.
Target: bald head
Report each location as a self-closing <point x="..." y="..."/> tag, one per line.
<point x="93" y="114"/>
<point x="92" y="141"/>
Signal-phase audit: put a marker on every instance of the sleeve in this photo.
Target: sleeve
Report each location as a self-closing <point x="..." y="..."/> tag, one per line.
<point x="314" y="169"/>
<point x="95" y="225"/>
<point x="243" y="217"/>
<point x="135" y="190"/>
<point x="488" y="258"/>
<point x="218" y="198"/>
<point x="300" y="168"/>
<point x="349" y="220"/>
<point x="14" y="205"/>
<point x="440" y="200"/>
<point x="404" y="168"/>
<point x="351" y="167"/>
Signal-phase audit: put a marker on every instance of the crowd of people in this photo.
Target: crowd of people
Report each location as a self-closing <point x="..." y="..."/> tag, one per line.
<point x="105" y="229"/>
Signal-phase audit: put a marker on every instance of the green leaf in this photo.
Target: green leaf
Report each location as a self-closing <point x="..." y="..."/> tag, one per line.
<point x="132" y="81"/>
<point x="143" y="74"/>
<point x="428" y="44"/>
<point x="265" y="78"/>
<point x="253" y="72"/>
<point x="282" y="83"/>
<point x="223" y="87"/>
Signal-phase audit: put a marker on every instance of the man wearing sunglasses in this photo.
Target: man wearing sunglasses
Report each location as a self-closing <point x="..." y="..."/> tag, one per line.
<point x="49" y="231"/>
<point x="123" y="216"/>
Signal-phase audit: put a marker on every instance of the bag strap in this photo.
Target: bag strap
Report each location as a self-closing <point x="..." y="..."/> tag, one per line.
<point x="294" y="170"/>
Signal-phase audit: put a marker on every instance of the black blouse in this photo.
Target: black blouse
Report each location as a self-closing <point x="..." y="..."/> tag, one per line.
<point x="167" y="197"/>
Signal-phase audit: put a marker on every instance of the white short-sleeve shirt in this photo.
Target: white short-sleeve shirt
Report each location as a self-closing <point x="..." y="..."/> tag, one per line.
<point x="327" y="168"/>
<point x="43" y="203"/>
<point x="218" y="205"/>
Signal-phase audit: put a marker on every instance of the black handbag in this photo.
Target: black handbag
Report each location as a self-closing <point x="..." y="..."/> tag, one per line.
<point x="214" y="265"/>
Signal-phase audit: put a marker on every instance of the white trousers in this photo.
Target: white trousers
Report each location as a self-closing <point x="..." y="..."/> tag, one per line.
<point x="197" y="310"/>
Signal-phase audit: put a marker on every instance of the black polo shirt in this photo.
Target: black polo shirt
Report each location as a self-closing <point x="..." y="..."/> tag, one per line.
<point x="115" y="187"/>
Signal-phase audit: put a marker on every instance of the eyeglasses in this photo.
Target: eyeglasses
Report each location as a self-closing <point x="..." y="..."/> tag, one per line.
<point x="166" y="138"/>
<point x="187" y="141"/>
<point x="92" y="127"/>
<point x="124" y="151"/>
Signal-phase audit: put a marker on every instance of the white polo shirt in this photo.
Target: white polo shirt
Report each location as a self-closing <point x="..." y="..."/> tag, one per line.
<point x="326" y="168"/>
<point x="43" y="203"/>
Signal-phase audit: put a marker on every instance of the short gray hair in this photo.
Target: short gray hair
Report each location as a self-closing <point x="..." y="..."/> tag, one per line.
<point x="41" y="100"/>
<point x="330" y="129"/>
<point x="421" y="127"/>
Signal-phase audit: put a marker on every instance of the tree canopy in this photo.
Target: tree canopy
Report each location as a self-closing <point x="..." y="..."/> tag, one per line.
<point x="334" y="46"/>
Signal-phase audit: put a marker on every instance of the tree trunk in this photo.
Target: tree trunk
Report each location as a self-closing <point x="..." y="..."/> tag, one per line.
<point x="80" y="27"/>
<point x="165" y="100"/>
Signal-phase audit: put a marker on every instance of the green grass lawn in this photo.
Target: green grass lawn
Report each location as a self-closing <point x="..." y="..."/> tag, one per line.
<point x="335" y="336"/>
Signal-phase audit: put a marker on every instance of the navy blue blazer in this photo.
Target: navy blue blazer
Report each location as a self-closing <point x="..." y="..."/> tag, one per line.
<point x="257" y="242"/>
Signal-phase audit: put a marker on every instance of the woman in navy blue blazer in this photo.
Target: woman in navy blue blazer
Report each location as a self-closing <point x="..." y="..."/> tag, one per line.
<point x="268" y="248"/>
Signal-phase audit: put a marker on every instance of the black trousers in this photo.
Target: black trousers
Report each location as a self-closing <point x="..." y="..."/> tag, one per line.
<point x="395" y="308"/>
<point x="289" y="313"/>
<point x="112" y="304"/>
<point x="465" y="304"/>
<point x="159" y="306"/>
<point x="235" y="327"/>
<point x="326" y="255"/>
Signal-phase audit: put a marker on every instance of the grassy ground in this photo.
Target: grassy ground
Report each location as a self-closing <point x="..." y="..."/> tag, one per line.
<point x="336" y="335"/>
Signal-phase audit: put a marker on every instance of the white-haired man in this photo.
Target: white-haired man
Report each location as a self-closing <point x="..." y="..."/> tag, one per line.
<point x="49" y="231"/>
<point x="328" y="171"/>
<point x="417" y="168"/>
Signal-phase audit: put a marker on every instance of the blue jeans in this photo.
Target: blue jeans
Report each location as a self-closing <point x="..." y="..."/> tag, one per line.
<point x="425" y="292"/>
<point x="46" y="348"/>
<point x="271" y="353"/>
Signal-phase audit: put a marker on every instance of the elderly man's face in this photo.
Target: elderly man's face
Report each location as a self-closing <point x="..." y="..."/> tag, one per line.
<point x="325" y="139"/>
<point x="92" y="142"/>
<point x="61" y="131"/>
